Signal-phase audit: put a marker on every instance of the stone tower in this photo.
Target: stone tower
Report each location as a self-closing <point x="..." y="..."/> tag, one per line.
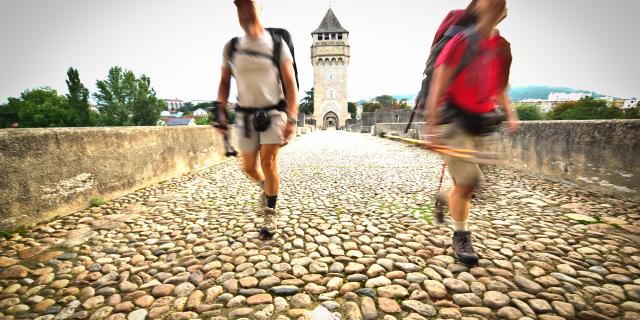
<point x="330" y="54"/>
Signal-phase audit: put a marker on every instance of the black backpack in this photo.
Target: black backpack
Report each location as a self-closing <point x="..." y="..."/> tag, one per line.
<point x="433" y="56"/>
<point x="278" y="35"/>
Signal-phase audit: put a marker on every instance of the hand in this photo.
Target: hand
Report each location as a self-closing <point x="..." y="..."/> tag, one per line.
<point x="289" y="129"/>
<point x="222" y="130"/>
<point x="513" y="124"/>
<point x="431" y="138"/>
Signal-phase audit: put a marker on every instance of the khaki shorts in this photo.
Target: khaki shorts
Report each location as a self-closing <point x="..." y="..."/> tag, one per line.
<point x="462" y="171"/>
<point x="273" y="135"/>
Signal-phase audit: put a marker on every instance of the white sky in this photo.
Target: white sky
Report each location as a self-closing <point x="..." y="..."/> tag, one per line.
<point x="585" y="44"/>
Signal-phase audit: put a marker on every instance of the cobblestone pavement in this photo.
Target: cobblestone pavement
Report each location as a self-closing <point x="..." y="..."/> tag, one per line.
<point x="355" y="237"/>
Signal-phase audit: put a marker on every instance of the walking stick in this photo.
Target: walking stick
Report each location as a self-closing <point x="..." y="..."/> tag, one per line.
<point x="229" y="151"/>
<point x="439" y="207"/>
<point x="464" y="154"/>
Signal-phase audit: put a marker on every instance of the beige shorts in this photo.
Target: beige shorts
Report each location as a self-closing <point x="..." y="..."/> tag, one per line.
<point x="462" y="171"/>
<point x="273" y="135"/>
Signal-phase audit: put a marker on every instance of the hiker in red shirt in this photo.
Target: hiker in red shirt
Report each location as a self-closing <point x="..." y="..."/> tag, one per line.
<point x="469" y="83"/>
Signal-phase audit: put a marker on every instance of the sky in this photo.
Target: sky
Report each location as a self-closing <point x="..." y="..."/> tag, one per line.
<point x="584" y="44"/>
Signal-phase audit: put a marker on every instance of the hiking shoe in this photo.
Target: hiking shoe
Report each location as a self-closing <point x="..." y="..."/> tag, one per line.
<point x="270" y="224"/>
<point x="263" y="201"/>
<point x="462" y="247"/>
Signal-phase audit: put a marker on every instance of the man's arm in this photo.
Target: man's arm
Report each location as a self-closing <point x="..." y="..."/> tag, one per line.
<point x="441" y="79"/>
<point x="223" y="93"/>
<point x="289" y="82"/>
<point x="505" y="102"/>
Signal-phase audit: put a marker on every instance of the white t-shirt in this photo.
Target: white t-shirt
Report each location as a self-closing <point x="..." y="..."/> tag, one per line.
<point x="257" y="77"/>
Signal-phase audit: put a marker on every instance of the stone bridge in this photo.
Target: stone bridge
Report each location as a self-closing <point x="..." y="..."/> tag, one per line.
<point x="356" y="236"/>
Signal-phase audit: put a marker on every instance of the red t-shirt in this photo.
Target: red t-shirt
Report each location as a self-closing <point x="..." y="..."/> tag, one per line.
<point x="481" y="81"/>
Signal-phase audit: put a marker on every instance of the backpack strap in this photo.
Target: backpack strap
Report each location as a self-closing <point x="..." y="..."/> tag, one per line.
<point x="233" y="48"/>
<point x="277" y="53"/>
<point x="472" y="38"/>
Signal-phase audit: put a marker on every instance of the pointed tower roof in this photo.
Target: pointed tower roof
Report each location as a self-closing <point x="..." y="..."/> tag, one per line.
<point x="330" y="24"/>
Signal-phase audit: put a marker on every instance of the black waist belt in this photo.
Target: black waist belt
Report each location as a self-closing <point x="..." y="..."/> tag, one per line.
<point x="246" y="111"/>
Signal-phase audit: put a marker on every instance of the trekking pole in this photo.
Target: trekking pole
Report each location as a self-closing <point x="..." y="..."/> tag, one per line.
<point x="439" y="206"/>
<point x="229" y="151"/>
<point x="464" y="154"/>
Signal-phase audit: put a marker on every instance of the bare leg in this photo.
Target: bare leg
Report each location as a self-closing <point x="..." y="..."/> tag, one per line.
<point x="459" y="205"/>
<point x="459" y="202"/>
<point x="269" y="163"/>
<point x="249" y="166"/>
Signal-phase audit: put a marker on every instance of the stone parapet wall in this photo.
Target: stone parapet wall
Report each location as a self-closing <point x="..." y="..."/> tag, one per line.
<point x="601" y="156"/>
<point x="48" y="172"/>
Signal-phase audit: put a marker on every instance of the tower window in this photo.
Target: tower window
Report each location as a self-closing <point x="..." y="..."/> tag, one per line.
<point x="340" y="36"/>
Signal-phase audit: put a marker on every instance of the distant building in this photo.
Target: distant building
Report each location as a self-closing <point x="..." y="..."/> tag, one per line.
<point x="630" y="103"/>
<point x="172" y="113"/>
<point x="174" y="104"/>
<point x="200" y="112"/>
<point x="184" y="121"/>
<point x="197" y="102"/>
<point x="564" y="97"/>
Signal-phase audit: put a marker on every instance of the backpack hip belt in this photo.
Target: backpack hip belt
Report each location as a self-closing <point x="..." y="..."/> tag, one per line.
<point x="261" y="119"/>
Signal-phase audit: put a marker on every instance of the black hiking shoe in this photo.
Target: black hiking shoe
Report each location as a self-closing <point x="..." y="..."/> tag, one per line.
<point x="270" y="224"/>
<point x="462" y="247"/>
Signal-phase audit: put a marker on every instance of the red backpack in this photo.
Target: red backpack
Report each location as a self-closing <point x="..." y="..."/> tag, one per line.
<point x="457" y="21"/>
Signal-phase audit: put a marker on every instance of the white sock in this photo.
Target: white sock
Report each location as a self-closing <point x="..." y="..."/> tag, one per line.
<point x="460" y="225"/>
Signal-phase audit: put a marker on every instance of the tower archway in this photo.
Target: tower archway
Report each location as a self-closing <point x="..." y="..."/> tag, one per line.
<point x="330" y="121"/>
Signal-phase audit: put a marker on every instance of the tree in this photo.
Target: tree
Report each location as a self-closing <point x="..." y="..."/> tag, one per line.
<point x="587" y="108"/>
<point x="113" y="97"/>
<point x="371" y="107"/>
<point x="386" y="101"/>
<point x="9" y="113"/>
<point x="306" y="104"/>
<point x="203" y="120"/>
<point x="124" y="99"/>
<point x="78" y="99"/>
<point x="43" y="107"/>
<point x="187" y="107"/>
<point x="404" y="104"/>
<point x="146" y="107"/>
<point x="353" y="109"/>
<point x="529" y="111"/>
<point x="632" y="113"/>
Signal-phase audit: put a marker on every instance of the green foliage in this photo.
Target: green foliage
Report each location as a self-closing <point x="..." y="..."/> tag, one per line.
<point x="371" y="107"/>
<point x="423" y="213"/>
<point x="404" y="104"/>
<point x="187" y="107"/>
<point x="96" y="202"/>
<point x="306" y="104"/>
<point x="201" y="121"/>
<point x="22" y="230"/>
<point x="529" y="111"/>
<point x="353" y="109"/>
<point x="632" y="113"/>
<point x="585" y="109"/>
<point x="145" y="106"/>
<point x="386" y="101"/>
<point x="124" y="99"/>
<point x="78" y="99"/>
<point x="43" y="107"/>
<point x="9" y="113"/>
